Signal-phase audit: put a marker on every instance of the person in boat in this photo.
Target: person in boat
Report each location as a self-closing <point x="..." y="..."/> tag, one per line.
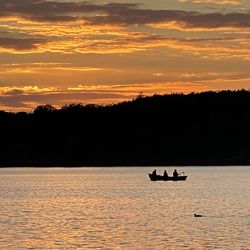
<point x="154" y="172"/>
<point x="175" y="174"/>
<point x="165" y="174"/>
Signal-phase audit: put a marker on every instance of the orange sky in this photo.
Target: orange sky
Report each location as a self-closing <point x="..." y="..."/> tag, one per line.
<point x="60" y="52"/>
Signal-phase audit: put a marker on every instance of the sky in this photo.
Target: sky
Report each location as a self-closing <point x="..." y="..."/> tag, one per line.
<point x="61" y="52"/>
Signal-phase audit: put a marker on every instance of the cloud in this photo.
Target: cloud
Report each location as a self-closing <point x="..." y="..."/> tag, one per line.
<point x="28" y="89"/>
<point x="26" y="98"/>
<point x="123" y="42"/>
<point x="220" y="2"/>
<point x="20" y="43"/>
<point x="117" y="14"/>
<point x="34" y="27"/>
<point x="13" y="92"/>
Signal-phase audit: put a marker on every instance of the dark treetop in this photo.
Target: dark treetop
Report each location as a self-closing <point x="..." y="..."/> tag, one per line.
<point x="197" y="129"/>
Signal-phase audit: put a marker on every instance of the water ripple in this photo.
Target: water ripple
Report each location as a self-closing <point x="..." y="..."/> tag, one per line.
<point x="118" y="208"/>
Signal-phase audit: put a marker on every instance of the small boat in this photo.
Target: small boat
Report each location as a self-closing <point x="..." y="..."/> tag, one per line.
<point x="155" y="177"/>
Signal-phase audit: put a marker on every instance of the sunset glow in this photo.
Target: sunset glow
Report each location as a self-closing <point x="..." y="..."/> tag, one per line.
<point x="103" y="52"/>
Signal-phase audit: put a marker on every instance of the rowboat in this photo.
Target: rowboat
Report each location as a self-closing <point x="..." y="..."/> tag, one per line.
<point x="155" y="177"/>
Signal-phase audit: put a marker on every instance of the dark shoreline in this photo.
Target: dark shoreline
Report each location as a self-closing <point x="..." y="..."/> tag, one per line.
<point x="203" y="129"/>
<point x="110" y="164"/>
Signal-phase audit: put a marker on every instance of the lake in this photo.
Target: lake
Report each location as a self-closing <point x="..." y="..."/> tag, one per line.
<point x="119" y="208"/>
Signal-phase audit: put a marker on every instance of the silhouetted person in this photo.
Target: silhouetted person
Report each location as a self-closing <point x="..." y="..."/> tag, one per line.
<point x="175" y="174"/>
<point x="154" y="172"/>
<point x="165" y="173"/>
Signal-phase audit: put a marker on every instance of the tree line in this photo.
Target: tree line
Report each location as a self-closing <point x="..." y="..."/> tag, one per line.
<point x="209" y="128"/>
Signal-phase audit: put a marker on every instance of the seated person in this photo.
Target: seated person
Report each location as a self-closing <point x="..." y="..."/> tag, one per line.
<point x="154" y="172"/>
<point x="165" y="174"/>
<point x="175" y="174"/>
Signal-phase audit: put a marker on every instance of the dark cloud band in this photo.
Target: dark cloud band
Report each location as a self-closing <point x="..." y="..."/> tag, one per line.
<point x="20" y="43"/>
<point x="117" y="14"/>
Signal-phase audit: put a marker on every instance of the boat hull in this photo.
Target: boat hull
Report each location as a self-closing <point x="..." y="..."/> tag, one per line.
<point x="153" y="177"/>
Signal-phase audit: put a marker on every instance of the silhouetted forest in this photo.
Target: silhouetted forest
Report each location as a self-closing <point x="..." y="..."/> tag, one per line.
<point x="210" y="128"/>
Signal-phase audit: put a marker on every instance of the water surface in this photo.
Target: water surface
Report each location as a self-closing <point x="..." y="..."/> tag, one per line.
<point x="119" y="208"/>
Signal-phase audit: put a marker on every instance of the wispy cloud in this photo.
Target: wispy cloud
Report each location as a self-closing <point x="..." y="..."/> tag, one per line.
<point x="84" y="27"/>
<point x="15" y="98"/>
<point x="28" y="68"/>
<point x="221" y="2"/>
<point x="116" y="14"/>
<point x="21" y="43"/>
<point x="76" y="51"/>
<point x="26" y="98"/>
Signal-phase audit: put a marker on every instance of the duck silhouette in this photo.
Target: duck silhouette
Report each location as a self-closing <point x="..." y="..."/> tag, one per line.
<point x="197" y="215"/>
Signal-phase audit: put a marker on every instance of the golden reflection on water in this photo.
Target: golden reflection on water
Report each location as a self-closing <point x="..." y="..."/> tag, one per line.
<point x="119" y="208"/>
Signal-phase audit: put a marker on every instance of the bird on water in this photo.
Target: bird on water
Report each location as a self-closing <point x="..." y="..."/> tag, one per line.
<point x="197" y="215"/>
